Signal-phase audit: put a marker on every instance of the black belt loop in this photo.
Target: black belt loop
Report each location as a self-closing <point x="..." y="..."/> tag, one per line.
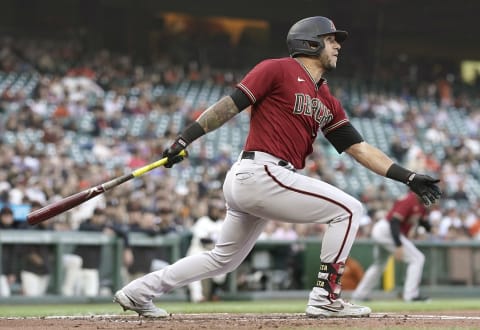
<point x="248" y="155"/>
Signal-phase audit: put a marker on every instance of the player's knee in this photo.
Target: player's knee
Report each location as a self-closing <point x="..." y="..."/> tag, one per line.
<point x="224" y="262"/>
<point x="357" y="210"/>
<point x="420" y="258"/>
<point x="72" y="261"/>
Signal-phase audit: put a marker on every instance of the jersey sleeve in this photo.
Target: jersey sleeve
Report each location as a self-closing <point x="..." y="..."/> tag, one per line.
<point x="260" y="81"/>
<point x="339" y="117"/>
<point x="402" y="209"/>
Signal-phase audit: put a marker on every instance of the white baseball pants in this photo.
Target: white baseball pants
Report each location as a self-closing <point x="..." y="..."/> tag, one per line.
<point x="414" y="258"/>
<point x="256" y="191"/>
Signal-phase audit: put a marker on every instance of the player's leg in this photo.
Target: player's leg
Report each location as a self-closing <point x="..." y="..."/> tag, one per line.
<point x="196" y="291"/>
<point x="43" y="284"/>
<point x="34" y="284"/>
<point x="382" y="250"/>
<point x="273" y="192"/>
<point x="72" y="265"/>
<point x="372" y="275"/>
<point x="4" y="286"/>
<point x="195" y="288"/>
<point x="91" y="282"/>
<point x="415" y="260"/>
<point x="219" y="279"/>
<point x="237" y="237"/>
<point x="31" y="283"/>
<point x="284" y="195"/>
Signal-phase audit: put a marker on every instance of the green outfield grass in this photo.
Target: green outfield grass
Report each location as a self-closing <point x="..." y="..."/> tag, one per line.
<point x="262" y="306"/>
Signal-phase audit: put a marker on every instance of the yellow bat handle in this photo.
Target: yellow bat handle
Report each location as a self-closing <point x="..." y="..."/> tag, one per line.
<point x="142" y="170"/>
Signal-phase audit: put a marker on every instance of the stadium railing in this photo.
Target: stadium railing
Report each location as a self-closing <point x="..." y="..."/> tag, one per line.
<point x="451" y="267"/>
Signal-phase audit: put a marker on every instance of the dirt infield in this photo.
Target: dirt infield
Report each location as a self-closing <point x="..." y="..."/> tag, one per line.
<point x="463" y="320"/>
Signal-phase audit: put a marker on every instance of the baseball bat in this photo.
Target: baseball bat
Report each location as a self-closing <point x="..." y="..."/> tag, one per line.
<point x="70" y="202"/>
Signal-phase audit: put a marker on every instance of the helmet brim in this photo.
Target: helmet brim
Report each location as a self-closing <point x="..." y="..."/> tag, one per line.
<point x="340" y="35"/>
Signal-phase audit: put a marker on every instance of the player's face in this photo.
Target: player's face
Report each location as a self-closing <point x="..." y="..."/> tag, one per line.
<point x="329" y="55"/>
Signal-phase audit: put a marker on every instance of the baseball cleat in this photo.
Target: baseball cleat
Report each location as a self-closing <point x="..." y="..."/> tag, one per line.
<point x="148" y="310"/>
<point x="339" y="308"/>
<point x="419" y="299"/>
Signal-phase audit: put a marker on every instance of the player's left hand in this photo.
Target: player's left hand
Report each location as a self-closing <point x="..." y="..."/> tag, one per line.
<point x="173" y="152"/>
<point x="425" y="187"/>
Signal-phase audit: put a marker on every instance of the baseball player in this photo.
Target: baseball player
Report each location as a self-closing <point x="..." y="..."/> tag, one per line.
<point x="290" y="104"/>
<point x="390" y="235"/>
<point x="205" y="231"/>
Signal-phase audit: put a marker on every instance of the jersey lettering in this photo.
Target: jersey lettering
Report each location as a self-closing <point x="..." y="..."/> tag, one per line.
<point x="308" y="106"/>
<point x="301" y="103"/>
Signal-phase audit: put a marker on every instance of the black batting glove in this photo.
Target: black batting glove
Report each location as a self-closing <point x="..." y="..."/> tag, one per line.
<point x="190" y="134"/>
<point x="424" y="186"/>
<point x="172" y="153"/>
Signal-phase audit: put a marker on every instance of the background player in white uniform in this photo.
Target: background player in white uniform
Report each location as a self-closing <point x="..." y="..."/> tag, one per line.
<point x="290" y="103"/>
<point x="391" y="235"/>
<point x="205" y="232"/>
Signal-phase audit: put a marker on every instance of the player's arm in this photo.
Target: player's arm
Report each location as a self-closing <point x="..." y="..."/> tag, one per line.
<point x="425" y="224"/>
<point x="222" y="111"/>
<point x="378" y="162"/>
<point x="370" y="157"/>
<point x="395" y="222"/>
<point x="347" y="138"/>
<point x="212" y="118"/>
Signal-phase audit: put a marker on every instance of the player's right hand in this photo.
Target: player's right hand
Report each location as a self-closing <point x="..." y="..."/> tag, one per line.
<point x="173" y="152"/>
<point x="425" y="187"/>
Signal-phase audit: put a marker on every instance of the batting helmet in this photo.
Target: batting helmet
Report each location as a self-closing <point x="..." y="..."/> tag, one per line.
<point x="310" y="30"/>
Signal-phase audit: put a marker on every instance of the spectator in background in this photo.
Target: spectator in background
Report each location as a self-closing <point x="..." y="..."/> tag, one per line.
<point x="398" y="148"/>
<point x="147" y="258"/>
<point x="460" y="194"/>
<point x="450" y="223"/>
<point x="17" y="194"/>
<point x="474" y="229"/>
<point x="205" y="231"/>
<point x="9" y="254"/>
<point x="376" y="197"/>
<point x="117" y="218"/>
<point x="83" y="278"/>
<point x="36" y="267"/>
<point x="134" y="213"/>
<point x="285" y="231"/>
<point x="432" y="165"/>
<point x="168" y="222"/>
<point x="36" y="260"/>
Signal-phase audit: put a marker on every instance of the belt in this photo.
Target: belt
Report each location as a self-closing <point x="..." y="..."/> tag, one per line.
<point x="266" y="157"/>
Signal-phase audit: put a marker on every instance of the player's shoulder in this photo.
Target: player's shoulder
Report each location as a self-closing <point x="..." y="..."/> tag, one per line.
<point x="274" y="68"/>
<point x="409" y="198"/>
<point x="280" y="61"/>
<point x="412" y="196"/>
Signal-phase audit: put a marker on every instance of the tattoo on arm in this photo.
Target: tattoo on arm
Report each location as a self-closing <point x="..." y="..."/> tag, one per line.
<point x="218" y="114"/>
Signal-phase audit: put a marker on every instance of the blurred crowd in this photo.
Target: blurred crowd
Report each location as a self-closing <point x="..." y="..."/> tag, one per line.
<point x="69" y="82"/>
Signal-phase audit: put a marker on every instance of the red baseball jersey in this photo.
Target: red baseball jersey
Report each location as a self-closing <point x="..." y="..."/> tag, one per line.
<point x="408" y="210"/>
<point x="288" y="109"/>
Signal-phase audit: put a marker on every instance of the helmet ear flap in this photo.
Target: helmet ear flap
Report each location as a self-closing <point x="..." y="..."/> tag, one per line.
<point x="318" y="45"/>
<point x="305" y="47"/>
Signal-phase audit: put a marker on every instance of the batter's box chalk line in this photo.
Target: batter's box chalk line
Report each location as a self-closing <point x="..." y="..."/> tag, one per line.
<point x="423" y="316"/>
